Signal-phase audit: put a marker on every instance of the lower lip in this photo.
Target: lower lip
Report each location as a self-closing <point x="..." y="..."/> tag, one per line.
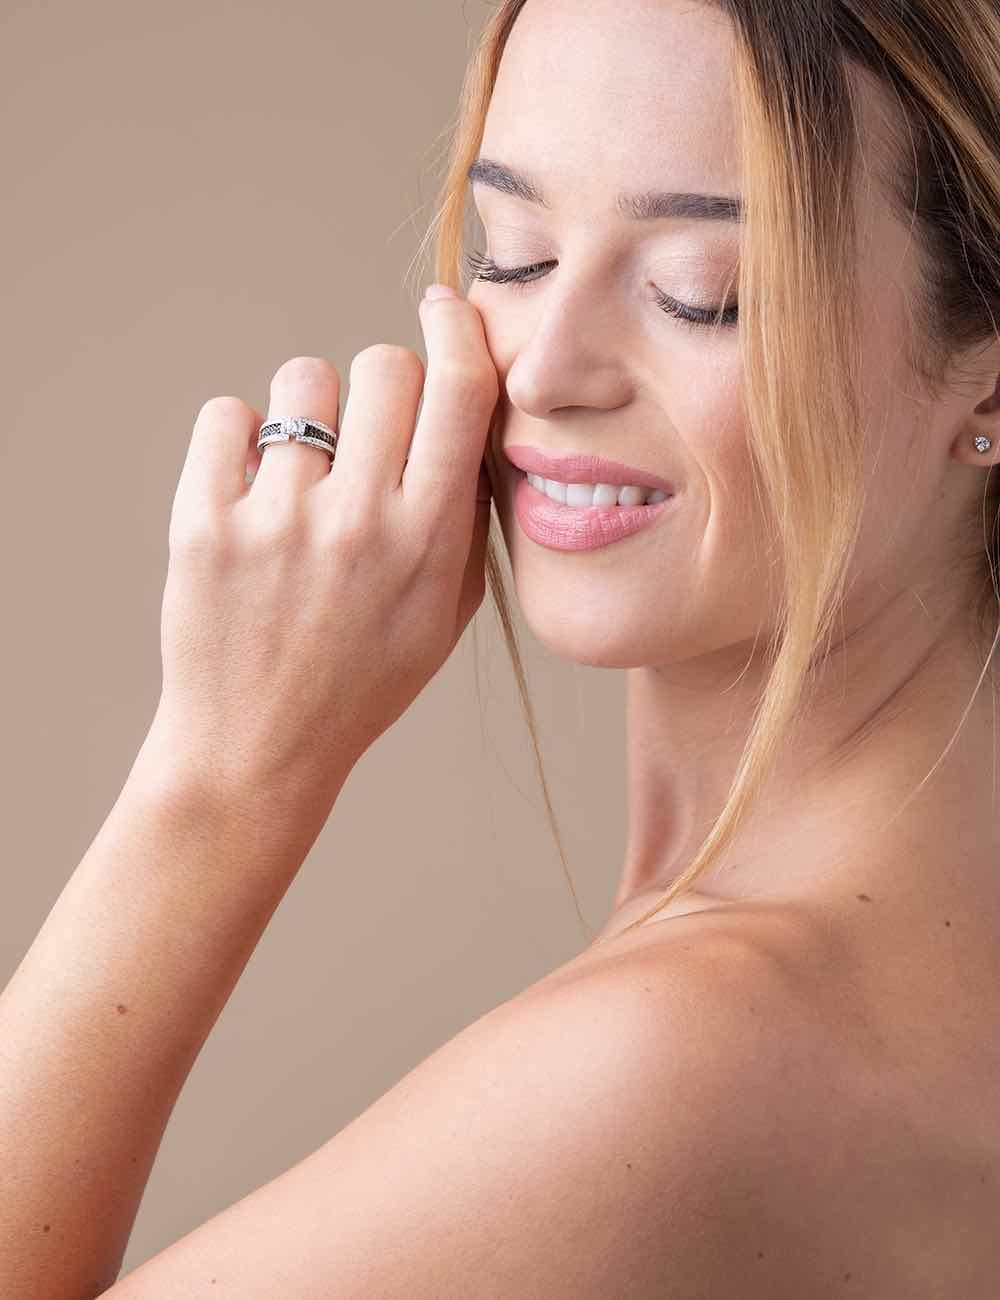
<point x="578" y="528"/>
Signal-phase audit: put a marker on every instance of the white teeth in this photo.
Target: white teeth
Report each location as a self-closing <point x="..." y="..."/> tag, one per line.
<point x="583" y="495"/>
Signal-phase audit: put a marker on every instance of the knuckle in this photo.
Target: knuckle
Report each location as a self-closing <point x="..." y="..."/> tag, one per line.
<point x="349" y="541"/>
<point x="393" y="357"/>
<point x="350" y="528"/>
<point x="471" y="382"/>
<point x="304" y="369"/>
<point x="280" y="527"/>
<point x="431" y="543"/>
<point x="224" y="408"/>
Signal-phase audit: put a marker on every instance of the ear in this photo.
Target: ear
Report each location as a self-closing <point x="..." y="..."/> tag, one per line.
<point x="982" y="422"/>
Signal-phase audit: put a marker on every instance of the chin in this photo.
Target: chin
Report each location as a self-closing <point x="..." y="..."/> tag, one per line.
<point x="591" y="633"/>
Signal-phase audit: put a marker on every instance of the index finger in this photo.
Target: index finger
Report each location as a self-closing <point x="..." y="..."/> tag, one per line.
<point x="461" y="388"/>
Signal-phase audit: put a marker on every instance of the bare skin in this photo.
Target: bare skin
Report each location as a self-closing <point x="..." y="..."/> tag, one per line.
<point x="878" y="917"/>
<point x="786" y="1087"/>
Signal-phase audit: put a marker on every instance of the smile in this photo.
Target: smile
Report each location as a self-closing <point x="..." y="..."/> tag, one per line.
<point x="589" y="523"/>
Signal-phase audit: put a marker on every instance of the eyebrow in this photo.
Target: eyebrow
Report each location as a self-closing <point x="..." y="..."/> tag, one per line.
<point x="649" y="205"/>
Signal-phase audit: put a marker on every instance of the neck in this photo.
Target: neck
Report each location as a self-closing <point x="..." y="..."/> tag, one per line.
<point x="833" y="815"/>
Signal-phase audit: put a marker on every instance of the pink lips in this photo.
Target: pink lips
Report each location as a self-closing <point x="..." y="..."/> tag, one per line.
<point x="583" y="469"/>
<point x="572" y="528"/>
<point x="575" y="528"/>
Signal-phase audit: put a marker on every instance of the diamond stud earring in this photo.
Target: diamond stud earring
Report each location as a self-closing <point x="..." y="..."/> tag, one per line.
<point x="983" y="444"/>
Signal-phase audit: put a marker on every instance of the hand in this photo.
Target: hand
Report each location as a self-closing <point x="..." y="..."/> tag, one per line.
<point x="304" y="614"/>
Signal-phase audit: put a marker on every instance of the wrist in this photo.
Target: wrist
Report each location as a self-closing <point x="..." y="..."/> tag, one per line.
<point x="288" y="805"/>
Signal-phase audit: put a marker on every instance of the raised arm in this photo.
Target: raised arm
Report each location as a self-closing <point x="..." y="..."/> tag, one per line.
<point x="302" y="616"/>
<point x="106" y="1014"/>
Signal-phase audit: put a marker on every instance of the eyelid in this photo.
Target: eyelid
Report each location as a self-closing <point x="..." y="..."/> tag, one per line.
<point x="484" y="267"/>
<point x="519" y="277"/>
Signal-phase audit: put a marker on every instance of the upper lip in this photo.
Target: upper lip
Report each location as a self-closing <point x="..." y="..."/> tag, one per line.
<point x="581" y="468"/>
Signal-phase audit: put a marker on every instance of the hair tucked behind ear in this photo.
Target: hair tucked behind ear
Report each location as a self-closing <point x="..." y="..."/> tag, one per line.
<point x="795" y="65"/>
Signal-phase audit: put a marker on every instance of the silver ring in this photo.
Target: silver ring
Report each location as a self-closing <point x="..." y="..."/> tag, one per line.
<point x="313" y="432"/>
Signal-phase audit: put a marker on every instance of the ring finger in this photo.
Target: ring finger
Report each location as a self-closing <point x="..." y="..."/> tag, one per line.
<point x="308" y="387"/>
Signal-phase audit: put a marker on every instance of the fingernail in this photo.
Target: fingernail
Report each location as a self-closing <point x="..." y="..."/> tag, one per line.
<point x="439" y="291"/>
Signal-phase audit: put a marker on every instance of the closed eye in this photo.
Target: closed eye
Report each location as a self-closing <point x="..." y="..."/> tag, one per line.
<point x="483" y="267"/>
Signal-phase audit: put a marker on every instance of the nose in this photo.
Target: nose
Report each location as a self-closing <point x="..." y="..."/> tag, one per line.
<point x="575" y="356"/>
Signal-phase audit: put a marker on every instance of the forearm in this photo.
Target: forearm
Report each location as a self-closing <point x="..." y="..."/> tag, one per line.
<point x="106" y="1014"/>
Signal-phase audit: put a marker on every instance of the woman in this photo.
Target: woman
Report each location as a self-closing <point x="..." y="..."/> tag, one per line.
<point x="790" y="1090"/>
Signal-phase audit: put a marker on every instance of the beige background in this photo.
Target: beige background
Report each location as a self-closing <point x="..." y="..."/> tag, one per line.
<point x="195" y="192"/>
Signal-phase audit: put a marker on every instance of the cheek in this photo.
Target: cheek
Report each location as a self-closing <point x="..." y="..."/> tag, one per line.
<point x="715" y="464"/>
<point x="735" y="512"/>
<point x="904" y="528"/>
<point x="730" y="535"/>
<point x="736" y="536"/>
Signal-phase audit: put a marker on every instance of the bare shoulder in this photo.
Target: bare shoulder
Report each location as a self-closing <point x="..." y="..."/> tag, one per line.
<point x="667" y="1121"/>
<point x="733" y="996"/>
<point x="621" y="1132"/>
<point x="850" y="1152"/>
<point x="747" y="946"/>
<point x="695" y="1075"/>
<point x="732" y="1097"/>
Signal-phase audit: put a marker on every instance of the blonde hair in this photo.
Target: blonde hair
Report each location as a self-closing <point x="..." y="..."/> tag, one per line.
<point x="799" y="329"/>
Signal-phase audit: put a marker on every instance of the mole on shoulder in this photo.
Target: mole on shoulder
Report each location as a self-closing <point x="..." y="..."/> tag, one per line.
<point x="47" y="1227"/>
<point x="864" y="898"/>
<point x="122" y="1008"/>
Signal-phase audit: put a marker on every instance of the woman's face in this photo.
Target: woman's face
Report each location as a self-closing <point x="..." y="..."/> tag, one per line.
<point x="607" y="98"/>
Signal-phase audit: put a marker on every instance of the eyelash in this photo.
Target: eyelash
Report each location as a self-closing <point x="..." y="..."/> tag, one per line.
<point x="483" y="267"/>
